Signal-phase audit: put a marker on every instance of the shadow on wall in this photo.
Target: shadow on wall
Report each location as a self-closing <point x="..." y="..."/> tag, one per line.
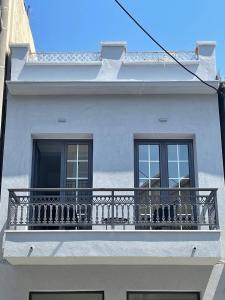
<point x="85" y="72"/>
<point x="215" y="289"/>
<point x="155" y="72"/>
<point x="220" y="290"/>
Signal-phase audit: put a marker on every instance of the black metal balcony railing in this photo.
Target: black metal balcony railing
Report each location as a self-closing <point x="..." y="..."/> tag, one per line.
<point x="187" y="208"/>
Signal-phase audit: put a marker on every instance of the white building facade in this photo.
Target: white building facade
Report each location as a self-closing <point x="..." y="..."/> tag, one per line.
<point x="113" y="181"/>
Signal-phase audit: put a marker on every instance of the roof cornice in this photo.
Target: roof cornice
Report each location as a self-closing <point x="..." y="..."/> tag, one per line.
<point x="109" y="87"/>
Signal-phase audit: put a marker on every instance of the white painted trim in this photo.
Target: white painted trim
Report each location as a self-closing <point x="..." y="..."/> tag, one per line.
<point x="62" y="136"/>
<point x="204" y="43"/>
<point x="114" y="44"/>
<point x="145" y="62"/>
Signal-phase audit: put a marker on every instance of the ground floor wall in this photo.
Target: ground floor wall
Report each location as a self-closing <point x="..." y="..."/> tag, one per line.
<point x="17" y="281"/>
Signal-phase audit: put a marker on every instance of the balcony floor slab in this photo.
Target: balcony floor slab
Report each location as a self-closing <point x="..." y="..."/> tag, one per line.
<point x="134" y="247"/>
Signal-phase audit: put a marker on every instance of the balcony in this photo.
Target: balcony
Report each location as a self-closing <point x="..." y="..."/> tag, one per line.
<point x="112" y="226"/>
<point x="113" y="208"/>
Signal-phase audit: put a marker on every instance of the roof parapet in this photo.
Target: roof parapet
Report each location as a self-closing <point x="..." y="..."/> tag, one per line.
<point x="113" y="62"/>
<point x="205" y="48"/>
<point x="19" y="54"/>
<point x="113" y="50"/>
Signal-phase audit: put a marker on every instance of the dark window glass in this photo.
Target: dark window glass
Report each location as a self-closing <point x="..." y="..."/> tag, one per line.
<point x="55" y="168"/>
<point x="72" y="152"/>
<point x="67" y="296"/>
<point x="47" y="165"/>
<point x="163" y="296"/>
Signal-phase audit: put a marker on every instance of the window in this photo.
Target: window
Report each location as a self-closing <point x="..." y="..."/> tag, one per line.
<point x="62" y="164"/>
<point x="163" y="296"/>
<point x="164" y="164"/>
<point x="67" y="296"/>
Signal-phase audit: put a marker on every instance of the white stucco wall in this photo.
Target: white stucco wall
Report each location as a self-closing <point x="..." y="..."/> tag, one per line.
<point x="115" y="281"/>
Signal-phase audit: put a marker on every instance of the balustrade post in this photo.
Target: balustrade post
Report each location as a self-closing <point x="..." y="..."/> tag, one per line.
<point x="9" y="213"/>
<point x="216" y="210"/>
<point x="113" y="204"/>
<point x="12" y="198"/>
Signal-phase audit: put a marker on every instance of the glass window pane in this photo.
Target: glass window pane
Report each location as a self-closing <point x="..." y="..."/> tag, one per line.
<point x="72" y="152"/>
<point x="143" y="170"/>
<point x="66" y="296"/>
<point x="185" y="195"/>
<point x="144" y="183"/>
<point x="155" y="183"/>
<point x="71" y="184"/>
<point x="48" y="164"/>
<point x="83" y="169"/>
<point x="173" y="170"/>
<point x="143" y="152"/>
<point x="174" y="183"/>
<point x="183" y="152"/>
<point x="71" y="169"/>
<point x="82" y="183"/>
<point x="184" y="183"/>
<point x="154" y="170"/>
<point x="162" y="296"/>
<point x="154" y="152"/>
<point x="83" y="152"/>
<point x="172" y="152"/>
<point x="184" y="169"/>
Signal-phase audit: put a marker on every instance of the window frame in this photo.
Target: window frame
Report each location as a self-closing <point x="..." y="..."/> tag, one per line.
<point x="63" y="143"/>
<point x="163" y="159"/>
<point x="66" y="292"/>
<point x="198" y="294"/>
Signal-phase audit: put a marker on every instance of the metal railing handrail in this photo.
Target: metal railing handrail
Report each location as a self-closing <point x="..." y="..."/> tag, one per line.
<point x="111" y="189"/>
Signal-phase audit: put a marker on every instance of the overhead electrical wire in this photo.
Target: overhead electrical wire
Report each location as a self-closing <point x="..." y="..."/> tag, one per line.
<point x="160" y="46"/>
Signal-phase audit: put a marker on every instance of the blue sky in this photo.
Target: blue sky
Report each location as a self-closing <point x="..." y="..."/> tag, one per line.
<point x="79" y="25"/>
